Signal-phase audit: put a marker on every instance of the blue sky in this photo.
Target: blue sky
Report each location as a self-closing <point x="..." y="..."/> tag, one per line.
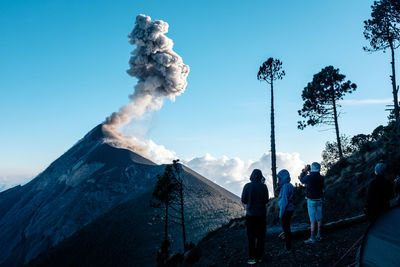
<point x="63" y="71"/>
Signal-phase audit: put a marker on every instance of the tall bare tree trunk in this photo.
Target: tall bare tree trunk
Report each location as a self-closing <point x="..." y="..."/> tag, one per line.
<point x="181" y="201"/>
<point x="393" y="77"/>
<point x="335" y="116"/>
<point x="273" y="152"/>
<point x="182" y="213"/>
<point x="166" y="227"/>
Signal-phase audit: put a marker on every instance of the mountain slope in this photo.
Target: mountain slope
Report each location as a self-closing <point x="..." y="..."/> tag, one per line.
<point x="130" y="234"/>
<point x="345" y="191"/>
<point x="89" y="180"/>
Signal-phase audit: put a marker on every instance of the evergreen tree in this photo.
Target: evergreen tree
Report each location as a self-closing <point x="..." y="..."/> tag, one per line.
<point x="181" y="212"/>
<point x="382" y="31"/>
<point x="330" y="155"/>
<point x="320" y="100"/>
<point x="270" y="71"/>
<point x="165" y="192"/>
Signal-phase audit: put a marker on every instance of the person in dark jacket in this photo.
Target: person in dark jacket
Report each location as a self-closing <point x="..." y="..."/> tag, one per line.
<point x="397" y="190"/>
<point x="286" y="206"/>
<point x="255" y="197"/>
<point x="314" y="191"/>
<point x="380" y="192"/>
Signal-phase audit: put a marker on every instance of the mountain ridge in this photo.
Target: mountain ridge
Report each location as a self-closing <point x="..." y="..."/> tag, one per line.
<point x="90" y="179"/>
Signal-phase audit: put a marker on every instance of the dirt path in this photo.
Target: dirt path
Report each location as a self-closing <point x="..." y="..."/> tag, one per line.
<point x="228" y="247"/>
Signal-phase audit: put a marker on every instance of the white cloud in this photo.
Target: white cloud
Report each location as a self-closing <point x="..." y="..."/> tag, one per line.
<point x="230" y="173"/>
<point x="366" y="101"/>
<point x="10" y="179"/>
<point x="234" y="173"/>
<point x="159" y="154"/>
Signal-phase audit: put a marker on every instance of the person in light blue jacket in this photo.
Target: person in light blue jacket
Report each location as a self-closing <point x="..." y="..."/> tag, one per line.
<point x="286" y="205"/>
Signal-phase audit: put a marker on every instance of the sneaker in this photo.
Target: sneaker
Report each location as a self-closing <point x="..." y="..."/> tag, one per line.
<point x="251" y="261"/>
<point x="284" y="251"/>
<point x="318" y="238"/>
<point x="259" y="260"/>
<point x="309" y="241"/>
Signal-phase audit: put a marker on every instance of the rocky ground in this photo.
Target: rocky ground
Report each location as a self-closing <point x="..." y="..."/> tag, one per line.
<point x="228" y="247"/>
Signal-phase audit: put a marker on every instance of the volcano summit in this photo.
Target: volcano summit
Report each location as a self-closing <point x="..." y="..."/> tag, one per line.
<point x="101" y="188"/>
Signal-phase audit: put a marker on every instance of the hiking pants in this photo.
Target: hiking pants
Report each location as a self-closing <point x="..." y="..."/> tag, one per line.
<point x="285" y="221"/>
<point x="256" y="226"/>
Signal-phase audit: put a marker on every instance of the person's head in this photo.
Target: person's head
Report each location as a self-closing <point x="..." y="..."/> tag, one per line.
<point x="283" y="177"/>
<point x="380" y="168"/>
<point x="315" y="167"/>
<point x="256" y="176"/>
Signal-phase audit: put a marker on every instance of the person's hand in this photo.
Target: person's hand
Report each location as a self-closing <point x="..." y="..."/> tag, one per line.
<point x="308" y="167"/>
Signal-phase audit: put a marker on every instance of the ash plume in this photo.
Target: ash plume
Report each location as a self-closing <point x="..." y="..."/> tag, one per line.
<point x="160" y="71"/>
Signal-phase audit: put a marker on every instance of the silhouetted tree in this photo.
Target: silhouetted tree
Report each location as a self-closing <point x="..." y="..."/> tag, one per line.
<point x="270" y="71"/>
<point x="361" y="141"/>
<point x="165" y="192"/>
<point x="391" y="117"/>
<point x="179" y="180"/>
<point x="330" y="155"/>
<point x="320" y="100"/>
<point x="169" y="192"/>
<point x="378" y="132"/>
<point x="382" y="31"/>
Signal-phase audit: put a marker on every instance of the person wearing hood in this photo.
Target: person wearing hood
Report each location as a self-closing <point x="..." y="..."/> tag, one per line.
<point x="286" y="206"/>
<point x="314" y="192"/>
<point x="255" y="197"/>
<point x="380" y="192"/>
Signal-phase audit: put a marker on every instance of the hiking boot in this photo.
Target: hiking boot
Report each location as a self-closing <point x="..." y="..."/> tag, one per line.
<point x="251" y="261"/>
<point x="309" y="241"/>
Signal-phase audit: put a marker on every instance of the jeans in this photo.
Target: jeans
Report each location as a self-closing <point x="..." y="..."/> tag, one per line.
<point x="285" y="221"/>
<point x="256" y="226"/>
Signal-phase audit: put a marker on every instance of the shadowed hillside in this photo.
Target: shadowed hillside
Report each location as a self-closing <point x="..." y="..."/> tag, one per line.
<point x="345" y="194"/>
<point x="90" y="180"/>
<point x="346" y="182"/>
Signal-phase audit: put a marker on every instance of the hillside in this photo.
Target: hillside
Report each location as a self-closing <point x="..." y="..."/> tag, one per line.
<point x="92" y="179"/>
<point x="228" y="247"/>
<point x="345" y="192"/>
<point x="346" y="182"/>
<point x="122" y="238"/>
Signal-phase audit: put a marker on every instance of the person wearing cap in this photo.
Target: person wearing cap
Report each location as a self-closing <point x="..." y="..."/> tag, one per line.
<point x="314" y="191"/>
<point x="255" y="197"/>
<point x="380" y="192"/>
<point x="286" y="206"/>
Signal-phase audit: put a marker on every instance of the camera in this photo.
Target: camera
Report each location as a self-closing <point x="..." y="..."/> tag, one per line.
<point x="307" y="168"/>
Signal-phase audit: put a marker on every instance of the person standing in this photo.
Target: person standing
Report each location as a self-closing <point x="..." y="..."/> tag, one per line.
<point x="286" y="206"/>
<point x="255" y="197"/>
<point x="397" y="190"/>
<point x="380" y="192"/>
<point x="314" y="191"/>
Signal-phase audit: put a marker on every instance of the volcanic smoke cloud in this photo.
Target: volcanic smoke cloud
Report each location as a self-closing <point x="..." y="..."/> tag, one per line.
<point x="159" y="70"/>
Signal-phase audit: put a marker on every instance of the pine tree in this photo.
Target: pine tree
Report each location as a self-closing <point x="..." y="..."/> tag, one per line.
<point x="320" y="100"/>
<point x="165" y="192"/>
<point x="179" y="180"/>
<point x="270" y="71"/>
<point x="382" y="31"/>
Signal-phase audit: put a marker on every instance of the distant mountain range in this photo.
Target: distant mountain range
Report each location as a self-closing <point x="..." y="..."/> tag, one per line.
<point x="92" y="206"/>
